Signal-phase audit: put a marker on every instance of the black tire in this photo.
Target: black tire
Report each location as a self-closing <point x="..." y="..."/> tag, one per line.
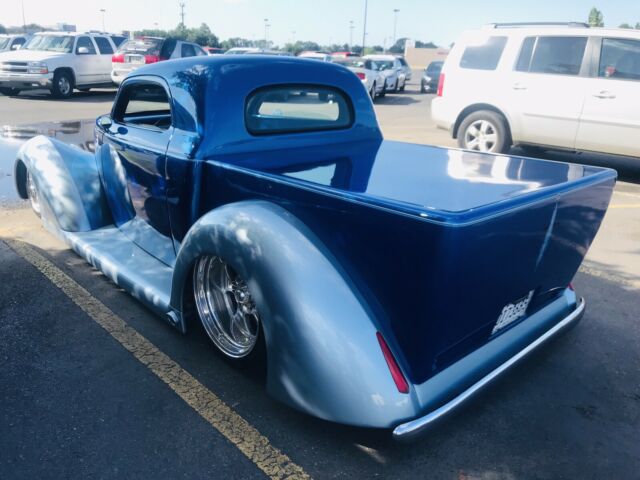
<point x="7" y="92"/>
<point x="401" y="89"/>
<point x="495" y="126"/>
<point x="395" y="87"/>
<point x="372" y="93"/>
<point x="423" y="89"/>
<point x="383" y="92"/>
<point x="62" y="85"/>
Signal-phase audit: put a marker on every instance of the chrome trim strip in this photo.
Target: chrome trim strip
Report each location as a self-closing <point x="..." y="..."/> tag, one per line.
<point x="411" y="429"/>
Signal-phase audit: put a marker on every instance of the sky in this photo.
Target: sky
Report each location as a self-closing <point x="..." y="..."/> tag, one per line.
<point x="324" y="21"/>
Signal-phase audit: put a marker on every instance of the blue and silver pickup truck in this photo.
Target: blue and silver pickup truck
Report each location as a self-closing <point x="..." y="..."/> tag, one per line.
<point x="381" y="284"/>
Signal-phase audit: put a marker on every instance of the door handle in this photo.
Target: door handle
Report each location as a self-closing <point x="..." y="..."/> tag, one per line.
<point x="519" y="86"/>
<point x="604" y="94"/>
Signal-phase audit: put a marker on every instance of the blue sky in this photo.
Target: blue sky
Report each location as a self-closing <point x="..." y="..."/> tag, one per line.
<point x="323" y="21"/>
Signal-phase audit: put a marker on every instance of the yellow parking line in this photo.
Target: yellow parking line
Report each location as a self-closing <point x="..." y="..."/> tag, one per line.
<point x="237" y="430"/>
<point x="625" y="205"/>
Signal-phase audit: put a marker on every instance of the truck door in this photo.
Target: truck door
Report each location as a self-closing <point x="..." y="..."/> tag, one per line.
<point x="609" y="121"/>
<point x="87" y="64"/>
<point x="133" y="159"/>
<point x="105" y="51"/>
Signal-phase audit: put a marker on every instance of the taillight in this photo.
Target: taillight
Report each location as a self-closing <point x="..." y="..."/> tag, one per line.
<point x="396" y="373"/>
<point x="361" y="75"/>
<point x="151" y="58"/>
<point x="570" y="286"/>
<point x="440" y="84"/>
<point x="117" y="58"/>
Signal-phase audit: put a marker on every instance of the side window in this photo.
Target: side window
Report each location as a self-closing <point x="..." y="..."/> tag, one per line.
<point x="168" y="46"/>
<point x="620" y="59"/>
<point x="104" y="47"/>
<point x="188" y="50"/>
<point x="86" y="43"/>
<point x="485" y="56"/>
<point x="558" y="55"/>
<point x="18" y="42"/>
<point x="144" y="104"/>
<point x="297" y="108"/>
<point x="524" y="60"/>
<point x="200" y="52"/>
<point x="403" y="62"/>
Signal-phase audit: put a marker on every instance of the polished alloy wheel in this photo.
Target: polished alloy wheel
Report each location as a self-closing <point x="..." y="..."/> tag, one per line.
<point x="225" y="307"/>
<point x="34" y="196"/>
<point x="481" y="135"/>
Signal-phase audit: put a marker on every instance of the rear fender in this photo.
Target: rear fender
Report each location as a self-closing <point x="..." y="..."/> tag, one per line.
<point x="323" y="354"/>
<point x="68" y="182"/>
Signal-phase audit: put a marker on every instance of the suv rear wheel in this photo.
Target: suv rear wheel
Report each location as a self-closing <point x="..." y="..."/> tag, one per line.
<point x="9" y="91"/>
<point x="484" y="131"/>
<point x="62" y="85"/>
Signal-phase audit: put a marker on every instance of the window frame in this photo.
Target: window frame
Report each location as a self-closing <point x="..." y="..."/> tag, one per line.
<point x="118" y="109"/>
<point x="77" y="46"/>
<point x="349" y="102"/>
<point x="496" y="67"/>
<point x="586" y="62"/>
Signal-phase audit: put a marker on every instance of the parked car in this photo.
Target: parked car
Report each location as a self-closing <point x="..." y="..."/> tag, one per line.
<point x="257" y="196"/>
<point x="241" y="50"/>
<point x="59" y="62"/>
<point x="431" y="77"/>
<point x="214" y="50"/>
<point x="408" y="73"/>
<point x="392" y="70"/>
<point x="561" y="86"/>
<point x="12" y="42"/>
<point x="344" y="54"/>
<point x="322" y="56"/>
<point x="144" y="50"/>
<point x="367" y="71"/>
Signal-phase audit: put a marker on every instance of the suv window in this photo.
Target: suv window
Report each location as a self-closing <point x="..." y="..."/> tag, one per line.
<point x="188" y="50"/>
<point x="555" y="55"/>
<point x="620" y="59"/>
<point x="168" y="46"/>
<point x="85" y="42"/>
<point x="118" y="39"/>
<point x="144" y="104"/>
<point x="485" y="56"/>
<point x="18" y="41"/>
<point x="103" y="45"/>
<point x="297" y="108"/>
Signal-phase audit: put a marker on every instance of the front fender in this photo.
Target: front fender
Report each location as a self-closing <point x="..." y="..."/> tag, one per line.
<point x="323" y="354"/>
<point x="68" y="182"/>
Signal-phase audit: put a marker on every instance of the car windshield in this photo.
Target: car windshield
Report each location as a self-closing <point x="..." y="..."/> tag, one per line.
<point x="384" y="64"/>
<point x="50" y="43"/>
<point x="4" y="42"/>
<point x="143" y="46"/>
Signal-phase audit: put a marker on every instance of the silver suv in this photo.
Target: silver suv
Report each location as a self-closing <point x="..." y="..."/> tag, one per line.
<point x="560" y="86"/>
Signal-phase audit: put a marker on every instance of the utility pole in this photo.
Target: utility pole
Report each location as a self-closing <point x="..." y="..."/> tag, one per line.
<point x="364" y="28"/>
<point x="103" y="12"/>
<point x="266" y="31"/>
<point x="182" y="5"/>
<point x="395" y="24"/>
<point x="24" y="22"/>
<point x="350" y="34"/>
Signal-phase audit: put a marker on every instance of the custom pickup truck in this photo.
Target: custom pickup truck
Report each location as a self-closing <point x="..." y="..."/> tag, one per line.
<point x="380" y="283"/>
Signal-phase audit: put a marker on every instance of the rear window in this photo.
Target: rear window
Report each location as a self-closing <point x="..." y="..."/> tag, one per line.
<point x="620" y="59"/>
<point x="554" y="55"/>
<point x="485" y="56"/>
<point x="143" y="46"/>
<point x="103" y="45"/>
<point x="297" y="108"/>
<point x="117" y="40"/>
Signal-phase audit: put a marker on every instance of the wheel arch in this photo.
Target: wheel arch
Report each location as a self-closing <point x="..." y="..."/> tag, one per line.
<point x="476" y="107"/>
<point x="68" y="70"/>
<point x="323" y="356"/>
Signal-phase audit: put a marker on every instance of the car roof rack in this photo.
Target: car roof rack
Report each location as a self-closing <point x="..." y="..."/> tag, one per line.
<point x="538" y="24"/>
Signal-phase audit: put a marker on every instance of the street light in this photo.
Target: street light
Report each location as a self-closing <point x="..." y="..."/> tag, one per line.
<point x="103" y="12"/>
<point x="266" y="29"/>
<point x="395" y="23"/>
<point x="351" y="27"/>
<point x="364" y="27"/>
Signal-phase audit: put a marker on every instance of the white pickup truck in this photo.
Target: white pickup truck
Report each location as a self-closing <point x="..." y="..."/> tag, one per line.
<point x="59" y="62"/>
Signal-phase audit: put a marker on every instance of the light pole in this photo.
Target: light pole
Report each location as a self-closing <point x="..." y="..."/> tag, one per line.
<point x="395" y="23"/>
<point x="266" y="30"/>
<point x="351" y="27"/>
<point x="364" y="28"/>
<point x="103" y="12"/>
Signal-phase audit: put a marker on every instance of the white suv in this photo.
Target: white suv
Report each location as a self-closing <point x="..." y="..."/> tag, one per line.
<point x="59" y="62"/>
<point x="543" y="86"/>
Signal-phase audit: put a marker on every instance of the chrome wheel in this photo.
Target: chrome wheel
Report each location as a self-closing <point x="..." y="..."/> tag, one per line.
<point x="64" y="85"/>
<point x="225" y="307"/>
<point x="481" y="135"/>
<point x="32" y="193"/>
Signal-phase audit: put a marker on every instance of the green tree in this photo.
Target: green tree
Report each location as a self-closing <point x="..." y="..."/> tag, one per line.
<point x="624" y="25"/>
<point x="2" y="29"/>
<point x="596" y="19"/>
<point x="637" y="25"/>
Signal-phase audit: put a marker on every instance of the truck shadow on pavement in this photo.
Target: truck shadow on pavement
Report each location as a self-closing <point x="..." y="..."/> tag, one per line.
<point x="93" y="96"/>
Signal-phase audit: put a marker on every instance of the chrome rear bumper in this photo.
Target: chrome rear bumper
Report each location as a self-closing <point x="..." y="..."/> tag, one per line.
<point x="413" y="428"/>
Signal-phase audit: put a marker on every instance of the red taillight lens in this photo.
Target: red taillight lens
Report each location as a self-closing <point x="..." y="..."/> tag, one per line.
<point x="117" y="58"/>
<point x="396" y="373"/>
<point x="361" y="75"/>
<point x="440" y="84"/>
<point x="151" y="58"/>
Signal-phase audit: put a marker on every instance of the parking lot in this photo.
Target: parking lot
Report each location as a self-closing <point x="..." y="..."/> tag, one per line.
<point x="94" y="385"/>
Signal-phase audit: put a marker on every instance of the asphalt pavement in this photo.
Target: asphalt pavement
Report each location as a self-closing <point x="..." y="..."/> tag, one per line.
<point x="93" y="385"/>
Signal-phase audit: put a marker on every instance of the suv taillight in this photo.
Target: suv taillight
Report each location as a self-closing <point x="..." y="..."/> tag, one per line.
<point x="361" y="75"/>
<point x="151" y="58"/>
<point x="117" y="58"/>
<point x="440" y="84"/>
